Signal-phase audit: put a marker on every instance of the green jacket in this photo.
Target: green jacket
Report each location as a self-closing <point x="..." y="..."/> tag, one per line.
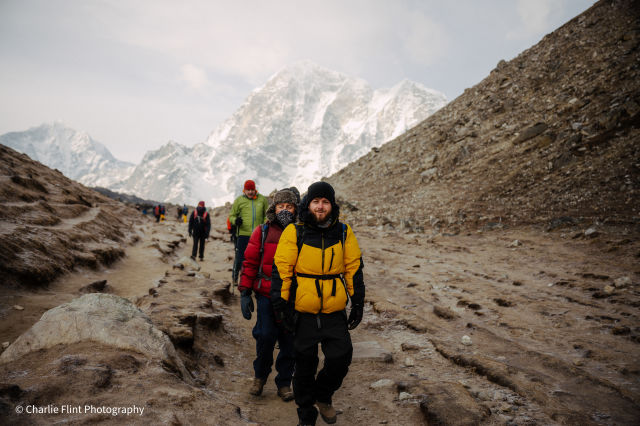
<point x="253" y="213"/>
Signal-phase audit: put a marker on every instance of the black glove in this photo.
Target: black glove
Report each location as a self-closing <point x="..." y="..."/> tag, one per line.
<point x="246" y="304"/>
<point x="189" y="233"/>
<point x="238" y="221"/>
<point x="281" y="314"/>
<point x="355" y="316"/>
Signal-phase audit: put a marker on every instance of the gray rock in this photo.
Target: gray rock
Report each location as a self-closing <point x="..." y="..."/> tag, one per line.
<point x="382" y="383"/>
<point x="622" y="282"/>
<point x="530" y="133"/>
<point x="101" y="318"/>
<point x="591" y="233"/>
<point x="429" y="172"/>
<point x="404" y="396"/>
<point x="370" y="351"/>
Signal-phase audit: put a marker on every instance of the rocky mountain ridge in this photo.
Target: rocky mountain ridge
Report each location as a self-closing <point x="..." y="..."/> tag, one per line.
<point x="548" y="136"/>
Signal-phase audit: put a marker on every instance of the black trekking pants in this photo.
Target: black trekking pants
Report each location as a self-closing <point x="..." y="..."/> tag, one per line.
<point x="332" y="335"/>
<point x="198" y="240"/>
<point x="241" y="245"/>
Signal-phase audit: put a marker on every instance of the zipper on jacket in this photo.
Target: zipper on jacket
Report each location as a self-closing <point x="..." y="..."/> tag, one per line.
<point x="331" y="262"/>
<point x="321" y="273"/>
<point x="253" y="215"/>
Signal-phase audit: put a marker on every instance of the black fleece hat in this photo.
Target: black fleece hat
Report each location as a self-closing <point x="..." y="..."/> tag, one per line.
<point x="321" y="190"/>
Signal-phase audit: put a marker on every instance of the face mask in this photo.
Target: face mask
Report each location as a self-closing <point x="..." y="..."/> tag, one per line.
<point x="285" y="217"/>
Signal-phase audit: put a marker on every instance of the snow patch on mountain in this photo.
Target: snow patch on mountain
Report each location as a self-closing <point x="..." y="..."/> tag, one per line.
<point x="73" y="152"/>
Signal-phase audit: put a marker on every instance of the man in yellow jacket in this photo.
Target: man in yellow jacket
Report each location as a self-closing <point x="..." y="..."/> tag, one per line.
<point x="317" y="269"/>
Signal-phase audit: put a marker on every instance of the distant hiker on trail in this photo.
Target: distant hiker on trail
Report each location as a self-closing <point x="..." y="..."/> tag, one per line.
<point x="185" y="212"/>
<point x="156" y="212"/>
<point x="162" y="212"/>
<point x="317" y="268"/>
<point x="247" y="212"/>
<point x="256" y="277"/>
<point x="199" y="228"/>
<point x="179" y="213"/>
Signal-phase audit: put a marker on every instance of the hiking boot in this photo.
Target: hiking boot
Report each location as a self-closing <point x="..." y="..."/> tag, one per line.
<point x="256" y="388"/>
<point x="201" y="259"/>
<point x="193" y="258"/>
<point x="327" y="412"/>
<point x="285" y="393"/>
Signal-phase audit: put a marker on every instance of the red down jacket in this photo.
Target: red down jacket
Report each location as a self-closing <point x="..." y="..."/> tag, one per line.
<point x="251" y="263"/>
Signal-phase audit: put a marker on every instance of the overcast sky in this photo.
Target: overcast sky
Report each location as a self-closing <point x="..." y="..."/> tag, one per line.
<point x="135" y="74"/>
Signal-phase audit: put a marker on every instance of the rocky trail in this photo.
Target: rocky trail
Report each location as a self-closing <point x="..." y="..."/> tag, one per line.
<point x="506" y="326"/>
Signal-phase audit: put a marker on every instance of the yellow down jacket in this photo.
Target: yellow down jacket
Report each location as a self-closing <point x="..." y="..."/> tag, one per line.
<point x="322" y="274"/>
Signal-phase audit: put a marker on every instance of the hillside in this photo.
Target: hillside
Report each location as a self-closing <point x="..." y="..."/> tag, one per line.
<point x="551" y="134"/>
<point x="50" y="225"/>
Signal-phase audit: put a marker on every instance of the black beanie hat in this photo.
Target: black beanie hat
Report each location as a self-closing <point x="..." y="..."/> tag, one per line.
<point x="321" y="190"/>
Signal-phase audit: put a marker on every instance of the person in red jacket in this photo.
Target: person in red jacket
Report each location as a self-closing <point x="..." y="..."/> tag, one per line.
<point x="256" y="277"/>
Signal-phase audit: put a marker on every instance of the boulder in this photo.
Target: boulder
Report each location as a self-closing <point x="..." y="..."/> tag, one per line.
<point x="382" y="383"/>
<point x="370" y="351"/>
<point x="102" y="318"/>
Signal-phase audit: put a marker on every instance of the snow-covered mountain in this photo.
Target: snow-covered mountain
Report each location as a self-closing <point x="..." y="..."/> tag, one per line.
<point x="72" y="152"/>
<point x="304" y="123"/>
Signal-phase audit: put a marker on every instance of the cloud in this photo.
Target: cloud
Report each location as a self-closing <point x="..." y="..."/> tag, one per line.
<point x="195" y="77"/>
<point x="424" y="40"/>
<point x="536" y="17"/>
<point x="535" y="14"/>
<point x="253" y="39"/>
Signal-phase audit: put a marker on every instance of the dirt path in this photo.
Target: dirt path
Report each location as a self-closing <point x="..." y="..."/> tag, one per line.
<point x="549" y="342"/>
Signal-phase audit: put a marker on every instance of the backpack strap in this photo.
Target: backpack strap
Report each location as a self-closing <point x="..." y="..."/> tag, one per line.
<point x="265" y="231"/>
<point x="342" y="280"/>
<point x="299" y="236"/>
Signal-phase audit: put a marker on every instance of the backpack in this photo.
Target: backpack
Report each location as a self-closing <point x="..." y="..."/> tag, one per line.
<point x="198" y="220"/>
